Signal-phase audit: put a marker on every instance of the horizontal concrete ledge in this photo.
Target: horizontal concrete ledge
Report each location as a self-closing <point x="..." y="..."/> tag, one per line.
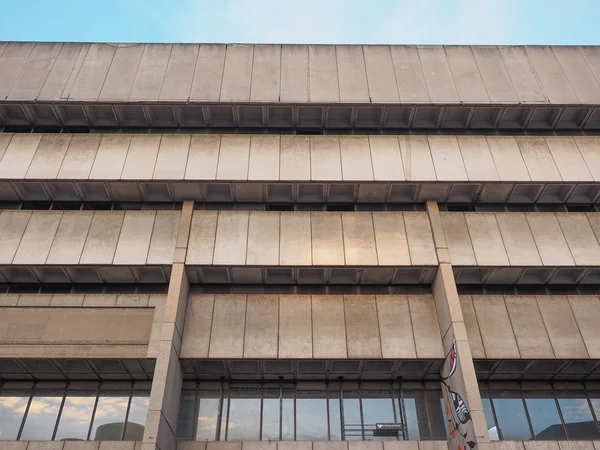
<point x="73" y="351"/>
<point x="537" y="369"/>
<point x="532" y="275"/>
<point x="313" y="445"/>
<point x="82" y="300"/>
<point x="70" y="445"/>
<point x="545" y="445"/>
<point x="68" y="274"/>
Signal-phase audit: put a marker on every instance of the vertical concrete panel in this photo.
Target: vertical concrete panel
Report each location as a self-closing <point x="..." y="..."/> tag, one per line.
<point x="110" y="157"/>
<point x="477" y="158"/>
<point x="294" y="160"/>
<point x="356" y="158"/>
<point x="237" y="73"/>
<point x="486" y="239"/>
<point x="537" y="157"/>
<point x="80" y="156"/>
<point x="141" y="157"/>
<point x="92" y="74"/>
<point x="508" y="159"/>
<point x="35" y="71"/>
<point x="428" y="341"/>
<point x="164" y="236"/>
<point x="395" y="327"/>
<point x="263" y="239"/>
<point x="362" y="326"/>
<point x="496" y="330"/>
<point x="329" y="328"/>
<point x="294" y="74"/>
<point x="12" y="227"/>
<point x="497" y="82"/>
<point x="295" y="326"/>
<point x="438" y="77"/>
<point x="458" y="239"/>
<point x="567" y="158"/>
<point x="150" y="73"/>
<point x="530" y="332"/>
<point x="551" y="75"/>
<point x="49" y="156"/>
<point x="417" y="158"/>
<point x="70" y="237"/>
<point x="420" y="239"/>
<point x="264" y="158"/>
<point x="580" y="238"/>
<point x="201" y="244"/>
<point x="18" y="155"/>
<point x="102" y="238"/>
<point x="233" y="158"/>
<point x="323" y="74"/>
<point x="295" y="246"/>
<point x="262" y="325"/>
<point x="578" y="73"/>
<point x="562" y="327"/>
<point x="203" y="158"/>
<point x="594" y="220"/>
<point x="359" y="239"/>
<point x="179" y="75"/>
<point x="410" y="77"/>
<point x="198" y="323"/>
<point x="386" y="158"/>
<point x="549" y="239"/>
<point x="380" y="74"/>
<point x="518" y="240"/>
<point x="70" y="57"/>
<point x="134" y="239"/>
<point x="586" y="309"/>
<point x="352" y="74"/>
<point x="266" y="73"/>
<point x="121" y="73"/>
<point x="172" y="157"/>
<point x="589" y="147"/>
<point x="5" y="139"/>
<point x="232" y="238"/>
<point x="447" y="158"/>
<point x="465" y="73"/>
<point x="327" y="239"/>
<point x="522" y="76"/>
<point x="208" y="75"/>
<point x="325" y="162"/>
<point x="227" y="333"/>
<point x="472" y="326"/>
<point x="37" y="239"/>
<point x="12" y="61"/>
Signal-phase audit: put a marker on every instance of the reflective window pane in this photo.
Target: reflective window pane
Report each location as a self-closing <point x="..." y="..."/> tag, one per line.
<point x="208" y="414"/>
<point x="544" y="416"/>
<point x="270" y="424"/>
<point x="136" y="420"/>
<point x="352" y="422"/>
<point x="41" y="416"/>
<point x="510" y="413"/>
<point x="416" y="415"/>
<point x="577" y="415"/>
<point x="185" y="421"/>
<point x="12" y="409"/>
<point x="377" y="408"/>
<point x="437" y="420"/>
<point x="287" y="416"/>
<point x="335" y="418"/>
<point x="244" y="417"/>
<point x="489" y="416"/>
<point x="311" y="417"/>
<point x="109" y="419"/>
<point x="76" y="416"/>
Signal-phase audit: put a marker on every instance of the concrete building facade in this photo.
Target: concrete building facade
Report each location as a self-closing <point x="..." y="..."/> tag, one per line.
<point x="299" y="247"/>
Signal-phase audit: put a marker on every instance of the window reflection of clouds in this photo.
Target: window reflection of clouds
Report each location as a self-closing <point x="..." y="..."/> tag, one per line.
<point x="41" y="417"/>
<point x="76" y="416"/>
<point x="137" y="418"/>
<point x="110" y="415"/>
<point x="577" y="416"/>
<point x="12" y="408"/>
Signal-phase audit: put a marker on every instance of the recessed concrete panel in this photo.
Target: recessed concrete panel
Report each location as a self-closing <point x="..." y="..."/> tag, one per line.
<point x="589" y="147"/>
<point x="263" y="239"/>
<point x="568" y="159"/>
<point x="231" y="238"/>
<point x="580" y="238"/>
<point x="172" y="157"/>
<point x="416" y="156"/>
<point x="386" y="158"/>
<point x="498" y="84"/>
<point x="295" y="246"/>
<point x="551" y="75"/>
<point x="18" y="155"/>
<point x="150" y="73"/>
<point x="80" y="156"/>
<point x="323" y="74"/>
<point x="227" y="333"/>
<point x="428" y="342"/>
<point x="62" y="75"/>
<point x="294" y="161"/>
<point x="472" y="326"/>
<point x="49" y="156"/>
<point x="586" y="309"/>
<point x="110" y="157"/>
<point x="201" y="243"/>
<point x="578" y="73"/>
<point x="134" y="239"/>
<point x="294" y="73"/>
<point x="352" y="74"/>
<point x="549" y="239"/>
<point x="12" y="227"/>
<point x="237" y="73"/>
<point x="121" y="73"/>
<point x="70" y="237"/>
<point x="264" y="158"/>
<point x="295" y="326"/>
<point x="522" y="76"/>
<point x="92" y="74"/>
<point x="508" y="159"/>
<point x="562" y="327"/>
<point x="12" y="61"/>
<point x="362" y="326"/>
<point x="233" y="158"/>
<point x="5" y="139"/>
<point x="496" y="330"/>
<point x="262" y="326"/>
<point x="410" y="77"/>
<point x="594" y="220"/>
<point x="102" y="238"/>
<point x="465" y="73"/>
<point x="198" y="323"/>
<point x="537" y="157"/>
<point x="395" y="326"/>
<point x="208" y="76"/>
<point x="477" y="158"/>
<point x="447" y="159"/>
<point x="530" y="332"/>
<point x="380" y="74"/>
<point x="518" y="240"/>
<point x="359" y="239"/>
<point x="327" y="239"/>
<point x="420" y="239"/>
<point x="356" y="158"/>
<point x="37" y="239"/>
<point x="179" y="75"/>
<point x="458" y="239"/>
<point x="329" y="328"/>
<point x="203" y="158"/>
<point x="141" y="157"/>
<point x="438" y="77"/>
<point x="486" y="239"/>
<point x="35" y="71"/>
<point x="266" y="73"/>
<point x="390" y="239"/>
<point x="325" y="160"/>
<point x="164" y="236"/>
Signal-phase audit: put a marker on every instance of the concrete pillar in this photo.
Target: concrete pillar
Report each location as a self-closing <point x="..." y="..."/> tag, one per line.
<point x="163" y="408"/>
<point x="464" y="410"/>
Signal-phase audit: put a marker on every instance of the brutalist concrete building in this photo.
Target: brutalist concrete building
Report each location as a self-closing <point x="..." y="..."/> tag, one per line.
<point x="290" y="247"/>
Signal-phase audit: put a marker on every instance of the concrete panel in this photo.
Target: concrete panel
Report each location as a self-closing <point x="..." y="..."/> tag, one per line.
<point x="12" y="227"/>
<point x="323" y="74"/>
<point x="458" y="239"/>
<point x="580" y="238"/>
<point x="497" y="82"/>
<point x="62" y="75"/>
<point x="231" y="238"/>
<point x="410" y="78"/>
<point x="41" y="445"/>
<point x="420" y="239"/>
<point x="14" y="445"/>
<point x="141" y="157"/>
<point x="576" y="445"/>
<point x="266" y="73"/>
<point x="172" y="157"/>
<point x="70" y="445"/>
<point x="49" y="156"/>
<point x="198" y="323"/>
<point x="522" y="76"/>
<point x="262" y="325"/>
<point x="294" y="74"/>
<point x="438" y="77"/>
<point x="356" y="158"/>
<point x="70" y="237"/>
<point x="508" y="159"/>
<point x="359" y="239"/>
<point x="329" y="328"/>
<point x="594" y="220"/>
<point x="538" y="159"/>
<point x="18" y="155"/>
<point x="447" y="158"/>
<point x="132" y="300"/>
<point x="562" y="327"/>
<point x="496" y="330"/>
<point x="201" y="244"/>
<point x="586" y="309"/>
<point x="37" y="239"/>
<point x="92" y="74"/>
<point x="80" y="156"/>
<point x="294" y="445"/>
<point x="465" y="73"/>
<point x="295" y="243"/>
<point x="472" y="326"/>
<point x="233" y="158"/>
<point x="110" y="158"/>
<point x="395" y="327"/>
<point x="208" y="75"/>
<point x="551" y="75"/>
<point x="325" y="160"/>
<point x="486" y="239"/>
<point x="294" y="161"/>
<point x="13" y="59"/>
<point x="589" y="147"/>
<point x="134" y="239"/>
<point x="102" y="238"/>
<point x="263" y="239"/>
<point x="390" y="238"/>
<point x="578" y="73"/>
<point x="428" y="342"/>
<point x="227" y="333"/>
<point x="362" y="326"/>
<point x="416" y="156"/>
<point x="530" y="332"/>
<point x="67" y="300"/>
<point x="401" y="445"/>
<point x="352" y="74"/>
<point x="35" y="71"/>
<point x="179" y="75"/>
<point x="164" y="236"/>
<point x="237" y="73"/>
<point x="5" y="139"/>
<point x="295" y="326"/>
<point x="264" y="158"/>
<point x="203" y="158"/>
<point x="121" y="73"/>
<point x="549" y="239"/>
<point x="380" y="74"/>
<point x="327" y="239"/>
<point x="35" y="300"/>
<point x="150" y="73"/>
<point x="477" y="158"/>
<point x="569" y="161"/>
<point x="518" y="240"/>
<point x="386" y="158"/>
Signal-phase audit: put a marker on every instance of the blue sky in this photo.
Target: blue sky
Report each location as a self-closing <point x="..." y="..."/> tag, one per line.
<point x="304" y="21"/>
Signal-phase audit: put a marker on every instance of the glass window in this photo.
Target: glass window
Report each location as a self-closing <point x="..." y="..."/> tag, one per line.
<point x="577" y="415"/>
<point x="311" y="416"/>
<point x="545" y="419"/>
<point x="352" y="420"/>
<point x="185" y="421"/>
<point x="489" y="416"/>
<point x="12" y="410"/>
<point x="437" y="421"/>
<point x="109" y="419"/>
<point x="377" y="407"/>
<point x="416" y="415"/>
<point x="510" y="413"/>
<point x="287" y="416"/>
<point x="335" y="418"/>
<point x="76" y="416"/>
<point x="136" y="421"/>
<point x="270" y="422"/>
<point x="208" y="414"/>
<point x="244" y="416"/>
<point x="41" y="416"/>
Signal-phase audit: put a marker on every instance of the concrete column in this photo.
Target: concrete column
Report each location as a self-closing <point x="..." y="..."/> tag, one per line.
<point x="464" y="410"/>
<point x="161" y="422"/>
